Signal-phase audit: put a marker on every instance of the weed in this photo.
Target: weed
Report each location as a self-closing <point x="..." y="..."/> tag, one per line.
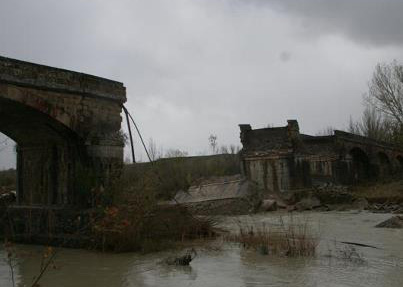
<point x="289" y="239"/>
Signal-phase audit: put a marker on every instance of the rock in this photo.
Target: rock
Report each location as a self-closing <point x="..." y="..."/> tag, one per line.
<point x="183" y="260"/>
<point x="308" y="203"/>
<point x="361" y="203"/>
<point x="393" y="222"/>
<point x="386" y="207"/>
<point x="7" y="198"/>
<point x="269" y="205"/>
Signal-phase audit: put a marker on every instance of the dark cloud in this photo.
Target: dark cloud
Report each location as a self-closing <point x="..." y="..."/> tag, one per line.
<point x="192" y="68"/>
<point x="368" y="22"/>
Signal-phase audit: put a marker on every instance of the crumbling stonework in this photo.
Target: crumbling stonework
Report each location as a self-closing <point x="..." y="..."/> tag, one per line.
<point x="282" y="159"/>
<point x="67" y="128"/>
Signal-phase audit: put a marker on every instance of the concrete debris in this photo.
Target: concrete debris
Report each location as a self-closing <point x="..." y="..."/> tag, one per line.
<point x="268" y="205"/>
<point x="221" y="197"/>
<point x="361" y="204"/>
<point x="308" y="203"/>
<point x="387" y="207"/>
<point x="183" y="260"/>
<point x="393" y="222"/>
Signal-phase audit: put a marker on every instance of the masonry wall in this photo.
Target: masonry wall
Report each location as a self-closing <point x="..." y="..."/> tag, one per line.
<point x="67" y="127"/>
<point x="282" y="159"/>
<point x="269" y="173"/>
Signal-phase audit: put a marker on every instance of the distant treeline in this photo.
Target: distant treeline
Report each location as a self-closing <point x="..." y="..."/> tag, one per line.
<point x="168" y="175"/>
<point x="165" y="176"/>
<point x="8" y="178"/>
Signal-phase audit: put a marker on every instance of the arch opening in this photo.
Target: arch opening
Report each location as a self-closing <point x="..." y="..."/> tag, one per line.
<point x="384" y="167"/>
<point x="7" y="165"/>
<point x="47" y="153"/>
<point x="361" y="169"/>
<point x="399" y="159"/>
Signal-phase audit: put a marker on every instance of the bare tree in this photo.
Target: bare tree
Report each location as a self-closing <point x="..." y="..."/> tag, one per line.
<point x="383" y="115"/>
<point x="224" y="149"/>
<point x="373" y="125"/>
<point x="154" y="152"/>
<point x="175" y="153"/>
<point x="213" y="143"/>
<point x="386" y="91"/>
<point x="3" y="144"/>
<point x="233" y="149"/>
<point x="328" y="131"/>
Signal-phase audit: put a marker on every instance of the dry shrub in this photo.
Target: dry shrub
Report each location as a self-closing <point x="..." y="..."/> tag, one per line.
<point x="142" y="225"/>
<point x="129" y="217"/>
<point x="290" y="239"/>
<point x="387" y="192"/>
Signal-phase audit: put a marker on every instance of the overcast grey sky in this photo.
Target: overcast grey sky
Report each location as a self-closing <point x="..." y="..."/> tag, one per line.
<point x="196" y="67"/>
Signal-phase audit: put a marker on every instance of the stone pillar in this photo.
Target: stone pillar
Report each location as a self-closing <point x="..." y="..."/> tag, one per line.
<point x="293" y="131"/>
<point x="245" y="128"/>
<point x="106" y="157"/>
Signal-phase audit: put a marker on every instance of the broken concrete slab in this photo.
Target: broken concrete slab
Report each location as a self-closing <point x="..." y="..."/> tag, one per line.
<point x="238" y="196"/>
<point x="393" y="222"/>
<point x="268" y="205"/>
<point x="308" y="203"/>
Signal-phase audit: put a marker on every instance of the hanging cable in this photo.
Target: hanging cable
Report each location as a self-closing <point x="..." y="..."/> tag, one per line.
<point x="130" y="133"/>
<point x="138" y="131"/>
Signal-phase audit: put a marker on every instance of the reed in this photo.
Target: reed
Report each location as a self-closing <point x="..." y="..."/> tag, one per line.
<point x="290" y="238"/>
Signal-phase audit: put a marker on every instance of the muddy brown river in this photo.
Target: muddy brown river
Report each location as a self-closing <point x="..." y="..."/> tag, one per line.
<point x="224" y="264"/>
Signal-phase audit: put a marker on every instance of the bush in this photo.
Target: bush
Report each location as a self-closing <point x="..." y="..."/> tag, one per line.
<point x="136" y="222"/>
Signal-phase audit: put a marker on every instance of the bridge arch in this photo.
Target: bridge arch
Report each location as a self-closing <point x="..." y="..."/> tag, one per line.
<point x="360" y="164"/>
<point x="48" y="154"/>
<point x="399" y="160"/>
<point x="384" y="166"/>
<point x="67" y="128"/>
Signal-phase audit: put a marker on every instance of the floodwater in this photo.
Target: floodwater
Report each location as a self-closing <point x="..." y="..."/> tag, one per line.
<point x="224" y="264"/>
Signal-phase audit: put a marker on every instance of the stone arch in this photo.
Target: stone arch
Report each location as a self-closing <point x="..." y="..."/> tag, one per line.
<point x="399" y="160"/>
<point x="48" y="154"/>
<point x="360" y="165"/>
<point x="384" y="167"/>
<point x="39" y="102"/>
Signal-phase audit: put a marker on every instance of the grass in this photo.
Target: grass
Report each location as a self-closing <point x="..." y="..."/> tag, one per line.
<point x="8" y="178"/>
<point x="173" y="174"/>
<point x="381" y="192"/>
<point x="290" y="238"/>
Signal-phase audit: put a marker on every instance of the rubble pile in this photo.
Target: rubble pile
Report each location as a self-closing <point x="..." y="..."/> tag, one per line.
<point x="387" y="207"/>
<point x="393" y="222"/>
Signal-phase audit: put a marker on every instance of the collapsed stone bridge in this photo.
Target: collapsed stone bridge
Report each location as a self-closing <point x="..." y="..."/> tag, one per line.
<point x="67" y="129"/>
<point x="283" y="159"/>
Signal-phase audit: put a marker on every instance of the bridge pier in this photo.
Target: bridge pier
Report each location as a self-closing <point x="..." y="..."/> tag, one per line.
<point x="67" y="129"/>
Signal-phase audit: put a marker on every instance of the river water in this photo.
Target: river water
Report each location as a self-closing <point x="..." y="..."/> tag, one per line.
<point x="223" y="264"/>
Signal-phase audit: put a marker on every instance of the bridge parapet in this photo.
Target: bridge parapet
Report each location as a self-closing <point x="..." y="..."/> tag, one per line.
<point x="44" y="77"/>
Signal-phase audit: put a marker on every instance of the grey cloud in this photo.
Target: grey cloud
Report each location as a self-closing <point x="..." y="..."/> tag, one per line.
<point x="369" y="22"/>
<point x="192" y="68"/>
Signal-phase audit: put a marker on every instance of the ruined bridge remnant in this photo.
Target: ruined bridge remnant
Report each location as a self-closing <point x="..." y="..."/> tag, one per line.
<point x="67" y="129"/>
<point x="282" y="159"/>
